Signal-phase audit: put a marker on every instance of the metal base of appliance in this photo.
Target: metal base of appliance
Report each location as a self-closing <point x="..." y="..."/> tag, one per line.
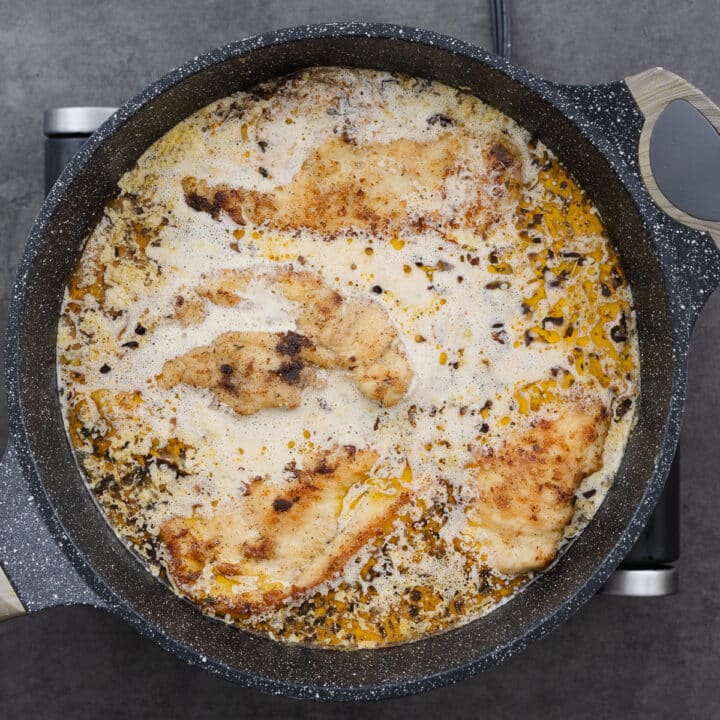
<point x="643" y="583"/>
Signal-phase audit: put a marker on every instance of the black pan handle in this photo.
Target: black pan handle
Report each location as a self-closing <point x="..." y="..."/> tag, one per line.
<point x="35" y="571"/>
<point x="679" y="149"/>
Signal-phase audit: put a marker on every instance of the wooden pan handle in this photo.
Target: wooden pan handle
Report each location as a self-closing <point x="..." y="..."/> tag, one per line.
<point x="10" y="605"/>
<point x="685" y="169"/>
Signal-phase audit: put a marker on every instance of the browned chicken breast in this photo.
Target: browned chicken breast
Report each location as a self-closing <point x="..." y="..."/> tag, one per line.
<point x="347" y="186"/>
<point x="244" y="370"/>
<point x="279" y="543"/>
<point x="251" y="371"/>
<point x="526" y="486"/>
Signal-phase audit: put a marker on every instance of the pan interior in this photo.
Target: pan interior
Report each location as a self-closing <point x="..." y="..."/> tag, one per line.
<point x="239" y="655"/>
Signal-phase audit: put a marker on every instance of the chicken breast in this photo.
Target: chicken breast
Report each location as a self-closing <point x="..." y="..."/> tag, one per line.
<point x="251" y="371"/>
<point x="525" y="488"/>
<point x="244" y="370"/>
<point x="279" y="542"/>
<point x="346" y="186"/>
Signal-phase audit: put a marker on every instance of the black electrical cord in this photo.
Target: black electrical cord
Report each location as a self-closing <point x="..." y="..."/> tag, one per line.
<point x="500" y="13"/>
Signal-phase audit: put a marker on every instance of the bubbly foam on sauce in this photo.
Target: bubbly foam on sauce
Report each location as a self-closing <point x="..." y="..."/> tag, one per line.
<point x="457" y="309"/>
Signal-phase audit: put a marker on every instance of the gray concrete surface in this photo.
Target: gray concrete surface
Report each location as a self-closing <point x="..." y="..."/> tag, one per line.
<point x="616" y="658"/>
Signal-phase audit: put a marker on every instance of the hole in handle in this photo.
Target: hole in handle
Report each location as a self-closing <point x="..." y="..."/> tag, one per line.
<point x="685" y="160"/>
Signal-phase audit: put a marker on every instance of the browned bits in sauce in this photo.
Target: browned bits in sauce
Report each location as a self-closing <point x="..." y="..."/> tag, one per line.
<point x="441" y="119"/>
<point x="622" y="408"/>
<point x="499" y="336"/>
<point x="281" y="504"/>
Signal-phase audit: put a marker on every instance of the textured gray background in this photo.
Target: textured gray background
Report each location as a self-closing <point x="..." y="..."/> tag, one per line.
<point x="616" y="658"/>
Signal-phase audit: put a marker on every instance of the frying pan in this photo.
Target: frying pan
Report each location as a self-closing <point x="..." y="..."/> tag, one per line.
<point x="636" y="146"/>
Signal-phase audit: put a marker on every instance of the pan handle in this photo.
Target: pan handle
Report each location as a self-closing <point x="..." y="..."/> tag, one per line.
<point x="679" y="149"/>
<point x="35" y="571"/>
<point x="10" y="604"/>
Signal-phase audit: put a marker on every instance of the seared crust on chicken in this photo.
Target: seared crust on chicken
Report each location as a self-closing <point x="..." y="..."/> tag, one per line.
<point x="244" y="370"/>
<point x="345" y="186"/>
<point x="350" y="334"/>
<point x="279" y="542"/>
<point x="526" y="487"/>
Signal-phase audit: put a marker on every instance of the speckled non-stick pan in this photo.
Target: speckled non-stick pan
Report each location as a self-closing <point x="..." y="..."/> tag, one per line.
<point x="57" y="549"/>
